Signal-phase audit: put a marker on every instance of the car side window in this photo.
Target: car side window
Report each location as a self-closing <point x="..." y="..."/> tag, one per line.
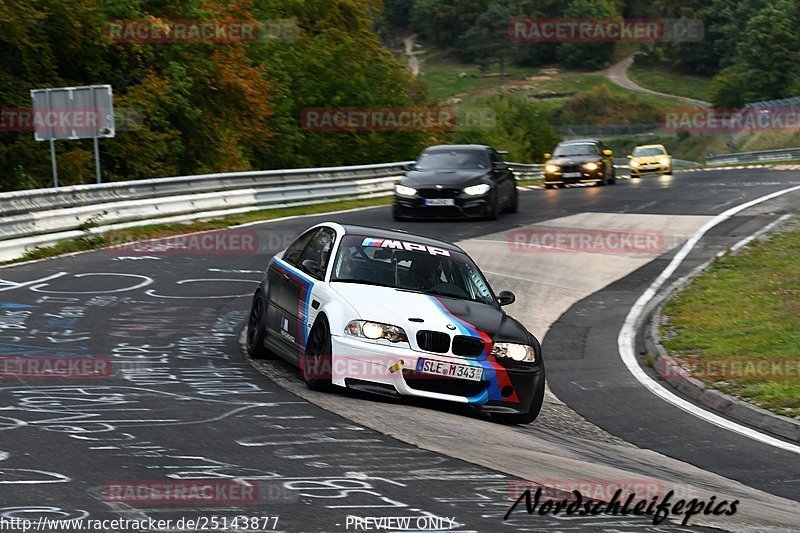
<point x="293" y="252"/>
<point x="320" y="247"/>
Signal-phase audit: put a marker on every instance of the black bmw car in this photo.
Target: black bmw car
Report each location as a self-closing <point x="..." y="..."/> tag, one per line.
<point x="579" y="161"/>
<point x="458" y="180"/>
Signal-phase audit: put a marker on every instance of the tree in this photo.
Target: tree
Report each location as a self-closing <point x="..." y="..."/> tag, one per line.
<point x="583" y="55"/>
<point x="444" y="22"/>
<point x="487" y="41"/>
<point x="767" y="55"/>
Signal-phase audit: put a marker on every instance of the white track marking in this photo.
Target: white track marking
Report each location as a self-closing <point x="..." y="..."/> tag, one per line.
<point x="627" y="334"/>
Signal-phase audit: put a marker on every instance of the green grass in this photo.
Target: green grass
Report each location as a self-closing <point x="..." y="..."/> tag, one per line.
<point x="95" y="242"/>
<point x="746" y="306"/>
<point x="664" y="81"/>
<point x="551" y="86"/>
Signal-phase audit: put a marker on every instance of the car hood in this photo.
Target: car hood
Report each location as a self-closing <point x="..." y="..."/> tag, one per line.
<point x="646" y="159"/>
<point x="398" y="307"/>
<point x="442" y="177"/>
<point x="574" y="160"/>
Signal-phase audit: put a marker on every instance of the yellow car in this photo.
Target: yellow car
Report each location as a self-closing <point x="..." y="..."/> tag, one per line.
<point x="650" y="159"/>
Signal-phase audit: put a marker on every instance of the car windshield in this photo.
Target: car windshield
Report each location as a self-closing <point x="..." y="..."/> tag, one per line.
<point x="575" y="149"/>
<point x="406" y="265"/>
<point x="453" y="160"/>
<point x="644" y="152"/>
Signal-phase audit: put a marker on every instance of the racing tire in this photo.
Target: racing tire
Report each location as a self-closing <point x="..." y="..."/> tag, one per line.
<point x="318" y="357"/>
<point x="549" y="186"/>
<point x="613" y="179"/>
<point x="256" y="328"/>
<point x="494" y="213"/>
<point x="668" y="173"/>
<point x="513" y="206"/>
<point x="533" y="409"/>
<point x="396" y="215"/>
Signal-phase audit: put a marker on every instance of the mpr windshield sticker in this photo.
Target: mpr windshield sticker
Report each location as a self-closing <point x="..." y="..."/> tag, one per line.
<point x="403" y="245"/>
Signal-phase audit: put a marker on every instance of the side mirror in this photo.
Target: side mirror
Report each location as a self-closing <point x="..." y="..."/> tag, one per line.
<point x="629" y="156"/>
<point x="502" y="152"/>
<point x="409" y="166"/>
<point x="506" y="298"/>
<point x="309" y="266"/>
<point x="608" y="152"/>
<point x="548" y="155"/>
<point x="500" y="166"/>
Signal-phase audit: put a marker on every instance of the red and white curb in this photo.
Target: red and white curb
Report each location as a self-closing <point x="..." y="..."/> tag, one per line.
<point x="741" y="167"/>
<point x="568" y="185"/>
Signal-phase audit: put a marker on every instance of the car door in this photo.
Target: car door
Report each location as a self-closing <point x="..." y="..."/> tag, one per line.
<point x="297" y="290"/>
<point x="282" y="275"/>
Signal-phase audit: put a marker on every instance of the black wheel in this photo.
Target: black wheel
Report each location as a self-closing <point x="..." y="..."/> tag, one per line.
<point x="494" y="213"/>
<point x="613" y="179"/>
<point x="317" y="359"/>
<point x="601" y="182"/>
<point x="256" y="328"/>
<point x="533" y="410"/>
<point x="396" y="215"/>
<point x="668" y="172"/>
<point x="548" y="186"/>
<point x="513" y="206"/>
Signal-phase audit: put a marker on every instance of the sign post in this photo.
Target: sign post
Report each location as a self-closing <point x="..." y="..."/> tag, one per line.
<point x="69" y="113"/>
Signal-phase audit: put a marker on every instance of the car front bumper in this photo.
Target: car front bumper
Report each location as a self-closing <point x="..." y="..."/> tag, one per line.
<point x="503" y="389"/>
<point x="462" y="206"/>
<point x="650" y="168"/>
<point x="583" y="176"/>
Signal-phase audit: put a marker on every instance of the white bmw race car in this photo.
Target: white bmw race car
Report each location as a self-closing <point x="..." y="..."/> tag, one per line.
<point x="399" y="314"/>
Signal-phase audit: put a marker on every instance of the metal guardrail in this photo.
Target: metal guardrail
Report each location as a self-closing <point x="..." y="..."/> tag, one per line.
<point x="762" y="156"/>
<point x="43" y="217"/>
<point x="525" y="171"/>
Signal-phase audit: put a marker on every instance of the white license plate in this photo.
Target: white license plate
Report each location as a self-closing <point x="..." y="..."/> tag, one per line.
<point x="451" y="370"/>
<point x="440" y="201"/>
<point x="572" y="174"/>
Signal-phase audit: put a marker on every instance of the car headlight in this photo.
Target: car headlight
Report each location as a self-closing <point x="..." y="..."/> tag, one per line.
<point x="375" y="331"/>
<point x="405" y="191"/>
<point x="634" y="163"/>
<point x="551" y="168"/>
<point x="663" y="160"/>
<point x="590" y="166"/>
<point x="518" y="352"/>
<point x="477" y="190"/>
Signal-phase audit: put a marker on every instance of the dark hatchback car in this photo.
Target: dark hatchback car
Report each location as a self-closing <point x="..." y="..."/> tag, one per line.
<point x="458" y="180"/>
<point x="579" y="161"/>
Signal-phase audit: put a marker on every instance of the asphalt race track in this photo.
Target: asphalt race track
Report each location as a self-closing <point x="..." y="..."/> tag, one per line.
<point x="181" y="401"/>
